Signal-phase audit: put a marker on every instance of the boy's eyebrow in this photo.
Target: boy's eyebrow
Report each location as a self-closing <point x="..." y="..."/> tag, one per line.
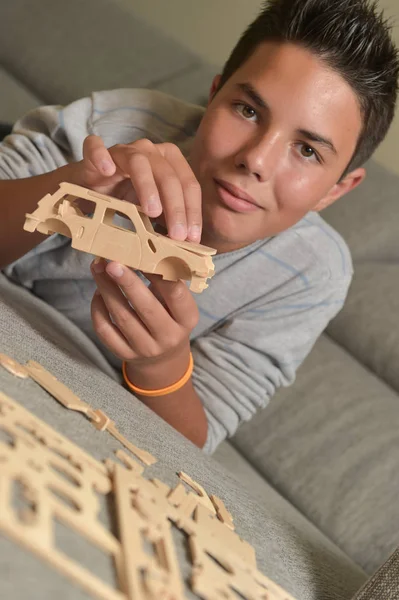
<point x="315" y="137"/>
<point x="250" y="91"/>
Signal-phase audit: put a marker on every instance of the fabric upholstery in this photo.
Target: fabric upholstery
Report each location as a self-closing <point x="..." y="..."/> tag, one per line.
<point x="330" y="445"/>
<point x="368" y="326"/>
<point x="114" y="49"/>
<point x="15" y="98"/>
<point x="367" y="217"/>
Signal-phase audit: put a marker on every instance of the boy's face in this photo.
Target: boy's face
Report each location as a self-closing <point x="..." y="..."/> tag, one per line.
<point x="281" y="130"/>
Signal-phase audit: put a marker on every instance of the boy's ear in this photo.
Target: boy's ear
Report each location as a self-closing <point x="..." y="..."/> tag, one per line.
<point x="214" y="88"/>
<point x="345" y="185"/>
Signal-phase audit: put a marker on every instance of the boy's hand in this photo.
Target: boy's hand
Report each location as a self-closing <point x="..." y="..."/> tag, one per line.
<point x="147" y="327"/>
<point x="156" y="176"/>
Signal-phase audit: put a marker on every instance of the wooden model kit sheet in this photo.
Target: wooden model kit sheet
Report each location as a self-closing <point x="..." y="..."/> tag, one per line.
<point x="58" y="481"/>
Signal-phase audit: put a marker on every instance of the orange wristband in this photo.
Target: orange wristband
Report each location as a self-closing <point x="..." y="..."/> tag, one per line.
<point x="162" y="391"/>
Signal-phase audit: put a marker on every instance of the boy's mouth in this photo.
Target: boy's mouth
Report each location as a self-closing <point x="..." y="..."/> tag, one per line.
<point x="235" y="198"/>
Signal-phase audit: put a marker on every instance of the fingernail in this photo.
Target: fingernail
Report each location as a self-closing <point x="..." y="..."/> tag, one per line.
<point x="107" y="167"/>
<point x="97" y="265"/>
<point x="115" y="270"/>
<point x="179" y="231"/>
<point x="195" y="232"/>
<point x="153" y="205"/>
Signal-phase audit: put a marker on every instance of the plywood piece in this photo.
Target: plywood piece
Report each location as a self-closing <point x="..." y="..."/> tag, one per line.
<point x="138" y="246"/>
<point x="143" y="455"/>
<point x="160" y="577"/>
<point x="101" y="421"/>
<point x="59" y="483"/>
<point x="13" y="367"/>
<point x="57" y="389"/>
<point x="222" y="512"/>
<point x="203" y="496"/>
<point x="67" y="398"/>
<point x="129" y="462"/>
<point x="218" y="573"/>
<point x="143" y="551"/>
<point x="221" y="562"/>
<point x="218" y="533"/>
<point x="161" y="486"/>
<point x="177" y="495"/>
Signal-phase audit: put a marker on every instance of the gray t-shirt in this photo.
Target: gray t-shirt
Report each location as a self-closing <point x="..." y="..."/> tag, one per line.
<point x="267" y="303"/>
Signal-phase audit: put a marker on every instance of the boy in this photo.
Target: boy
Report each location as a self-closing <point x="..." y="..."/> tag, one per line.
<point x="305" y="98"/>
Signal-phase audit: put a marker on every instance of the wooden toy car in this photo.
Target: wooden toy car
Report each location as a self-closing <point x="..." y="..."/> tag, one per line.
<point x="133" y="243"/>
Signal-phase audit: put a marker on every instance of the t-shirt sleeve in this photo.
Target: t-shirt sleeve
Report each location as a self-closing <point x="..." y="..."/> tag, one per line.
<point x="240" y="365"/>
<point x="45" y="139"/>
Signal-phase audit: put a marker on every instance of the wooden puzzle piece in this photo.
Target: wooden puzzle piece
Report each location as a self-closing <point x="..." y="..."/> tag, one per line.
<point x="100" y="420"/>
<point x="160" y="574"/>
<point x="138" y="246"/>
<point x="129" y="462"/>
<point x="218" y="573"/>
<point x="32" y="430"/>
<point x="143" y="455"/>
<point x="67" y="398"/>
<point x="60" y="481"/>
<point x="203" y="496"/>
<point x="218" y="533"/>
<point x="13" y="367"/>
<point x="58" y="390"/>
<point x="222" y="512"/>
<point x="162" y="487"/>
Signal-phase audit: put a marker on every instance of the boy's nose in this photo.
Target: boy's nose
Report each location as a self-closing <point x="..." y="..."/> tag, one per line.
<point x="260" y="158"/>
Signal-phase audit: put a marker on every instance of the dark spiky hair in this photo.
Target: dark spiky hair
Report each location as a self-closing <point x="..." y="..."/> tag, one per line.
<point x="352" y="37"/>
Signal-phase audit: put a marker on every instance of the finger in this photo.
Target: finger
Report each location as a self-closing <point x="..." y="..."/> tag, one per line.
<point x="171" y="195"/>
<point x="127" y="319"/>
<point x="107" y="332"/>
<point x="150" y="311"/>
<point x="155" y="182"/>
<point x="154" y="290"/>
<point x="136" y="165"/>
<point x="191" y="189"/>
<point x="97" y="156"/>
<point x="178" y="300"/>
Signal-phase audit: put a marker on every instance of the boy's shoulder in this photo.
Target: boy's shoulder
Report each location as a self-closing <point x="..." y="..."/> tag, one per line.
<point x="311" y="250"/>
<point x="328" y="249"/>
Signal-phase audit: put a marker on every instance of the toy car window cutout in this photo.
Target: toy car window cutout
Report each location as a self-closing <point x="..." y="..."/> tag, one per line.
<point x="85" y="207"/>
<point x="113" y="218"/>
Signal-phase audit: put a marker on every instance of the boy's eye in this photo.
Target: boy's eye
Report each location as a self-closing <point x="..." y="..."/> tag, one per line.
<point x="246" y="111"/>
<point x="307" y="151"/>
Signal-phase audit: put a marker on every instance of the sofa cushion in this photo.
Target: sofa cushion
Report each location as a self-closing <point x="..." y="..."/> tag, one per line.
<point x="65" y="50"/>
<point x="367" y="218"/>
<point x="15" y="98"/>
<point x="368" y="325"/>
<point x="330" y="445"/>
<point x="191" y="86"/>
<point x="384" y="583"/>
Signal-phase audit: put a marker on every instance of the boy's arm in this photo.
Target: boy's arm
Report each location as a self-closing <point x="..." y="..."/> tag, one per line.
<point x="18" y="197"/>
<point x="34" y="159"/>
<point x="53" y="144"/>
<point x="152" y="338"/>
<point x="182" y="409"/>
<point x="241" y="364"/>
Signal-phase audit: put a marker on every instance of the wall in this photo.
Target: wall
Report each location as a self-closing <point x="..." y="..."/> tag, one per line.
<point x="211" y="27"/>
